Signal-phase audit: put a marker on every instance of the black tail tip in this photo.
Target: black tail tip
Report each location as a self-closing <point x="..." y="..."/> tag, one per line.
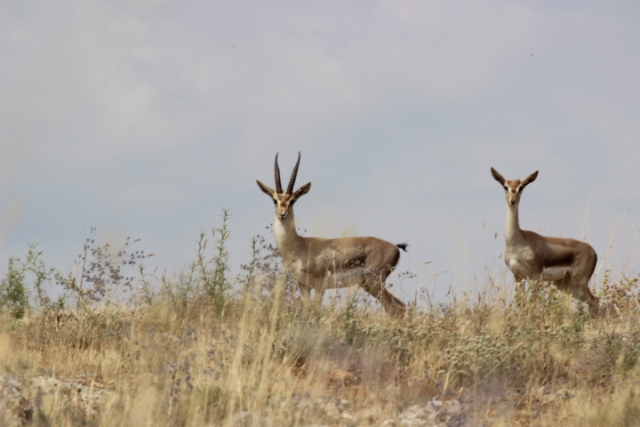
<point x="403" y="246"/>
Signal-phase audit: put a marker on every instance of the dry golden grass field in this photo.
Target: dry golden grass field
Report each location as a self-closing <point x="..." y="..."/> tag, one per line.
<point x="200" y="348"/>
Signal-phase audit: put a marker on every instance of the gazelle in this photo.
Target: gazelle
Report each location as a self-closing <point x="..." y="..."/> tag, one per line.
<point x="568" y="263"/>
<point x="320" y="264"/>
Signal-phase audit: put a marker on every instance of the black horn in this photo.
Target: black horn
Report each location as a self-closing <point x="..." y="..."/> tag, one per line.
<point x="292" y="181"/>
<point x="277" y="172"/>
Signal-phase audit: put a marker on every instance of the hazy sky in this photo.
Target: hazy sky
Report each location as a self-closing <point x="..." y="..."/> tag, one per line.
<point x="148" y="118"/>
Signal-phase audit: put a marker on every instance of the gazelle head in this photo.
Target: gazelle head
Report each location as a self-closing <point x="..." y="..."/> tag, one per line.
<point x="284" y="201"/>
<point x="513" y="187"/>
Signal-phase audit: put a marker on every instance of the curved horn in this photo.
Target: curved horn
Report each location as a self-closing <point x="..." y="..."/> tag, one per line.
<point x="277" y="172"/>
<point x="292" y="181"/>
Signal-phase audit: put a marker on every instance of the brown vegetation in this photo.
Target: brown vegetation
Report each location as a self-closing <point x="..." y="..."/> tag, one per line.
<point x="186" y="352"/>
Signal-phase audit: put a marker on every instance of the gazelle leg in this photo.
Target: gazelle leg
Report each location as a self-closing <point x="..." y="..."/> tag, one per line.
<point x="520" y="294"/>
<point x="375" y="287"/>
<point x="533" y="292"/>
<point x="566" y="285"/>
<point x="581" y="285"/>
<point x="305" y="292"/>
<point x="578" y="288"/>
<point x="317" y="297"/>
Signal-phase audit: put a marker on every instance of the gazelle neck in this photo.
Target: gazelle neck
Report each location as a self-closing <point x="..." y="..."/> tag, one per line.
<point x="512" y="231"/>
<point x="285" y="234"/>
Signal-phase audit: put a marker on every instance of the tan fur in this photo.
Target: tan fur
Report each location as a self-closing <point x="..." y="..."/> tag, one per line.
<point x="320" y="264"/>
<point x="567" y="263"/>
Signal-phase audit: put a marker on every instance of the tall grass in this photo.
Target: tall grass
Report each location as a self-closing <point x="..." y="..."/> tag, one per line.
<point x="204" y="348"/>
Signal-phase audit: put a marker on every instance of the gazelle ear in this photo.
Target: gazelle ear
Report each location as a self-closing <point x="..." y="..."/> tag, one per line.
<point x="497" y="176"/>
<point x="266" y="189"/>
<point x="302" y="190"/>
<point x="528" y="180"/>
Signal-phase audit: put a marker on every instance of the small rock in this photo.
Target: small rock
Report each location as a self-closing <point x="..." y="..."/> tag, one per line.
<point x="15" y="409"/>
<point x="84" y="395"/>
<point x="445" y="412"/>
<point x="242" y="419"/>
<point x="340" y="377"/>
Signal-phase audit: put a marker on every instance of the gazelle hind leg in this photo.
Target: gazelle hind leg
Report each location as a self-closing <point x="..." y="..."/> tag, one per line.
<point x="375" y="287"/>
<point x="581" y="284"/>
<point x="566" y="285"/>
<point x="578" y="288"/>
<point x="582" y="275"/>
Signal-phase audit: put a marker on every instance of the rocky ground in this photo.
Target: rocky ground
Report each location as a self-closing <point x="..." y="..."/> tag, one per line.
<point x="23" y="404"/>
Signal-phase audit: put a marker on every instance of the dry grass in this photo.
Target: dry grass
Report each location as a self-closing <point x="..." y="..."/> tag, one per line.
<point x="546" y="364"/>
<point x="178" y="355"/>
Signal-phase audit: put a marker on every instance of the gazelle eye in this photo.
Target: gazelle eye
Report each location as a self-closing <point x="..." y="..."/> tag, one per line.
<point x="275" y="202"/>
<point x="506" y="188"/>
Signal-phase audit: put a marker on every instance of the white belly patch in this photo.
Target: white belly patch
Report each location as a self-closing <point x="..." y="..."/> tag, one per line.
<point x="344" y="278"/>
<point x="556" y="273"/>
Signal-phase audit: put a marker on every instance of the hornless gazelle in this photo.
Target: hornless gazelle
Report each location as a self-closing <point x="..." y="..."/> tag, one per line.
<point x="568" y="263"/>
<point x="320" y="264"/>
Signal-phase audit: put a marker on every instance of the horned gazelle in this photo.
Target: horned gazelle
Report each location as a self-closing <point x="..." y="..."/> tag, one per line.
<point x="568" y="263"/>
<point x="320" y="264"/>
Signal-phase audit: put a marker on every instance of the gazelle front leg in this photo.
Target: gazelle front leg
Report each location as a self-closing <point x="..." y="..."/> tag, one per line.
<point x="525" y="289"/>
<point x="305" y="293"/>
<point x="519" y="285"/>
<point x="317" y="297"/>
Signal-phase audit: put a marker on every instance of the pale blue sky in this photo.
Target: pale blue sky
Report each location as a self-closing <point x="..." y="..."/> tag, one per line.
<point x="147" y="118"/>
